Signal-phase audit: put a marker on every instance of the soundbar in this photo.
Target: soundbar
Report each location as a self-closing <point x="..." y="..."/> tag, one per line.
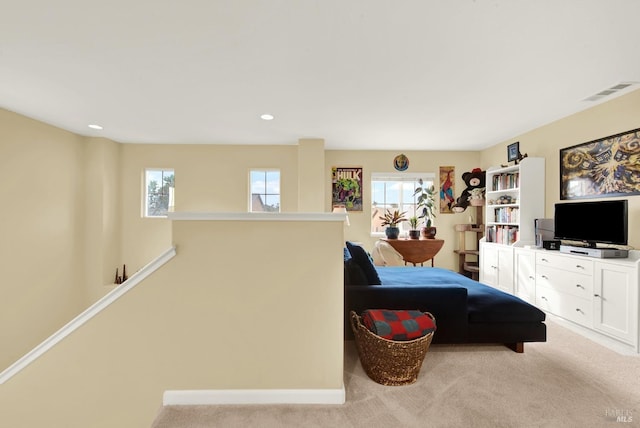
<point x="600" y="253"/>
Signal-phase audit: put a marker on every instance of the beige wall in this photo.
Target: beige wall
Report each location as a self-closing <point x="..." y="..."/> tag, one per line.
<point x="208" y="178"/>
<point x="42" y="232"/>
<point x="311" y="178"/>
<point x="203" y="321"/>
<point x="382" y="161"/>
<point x="60" y="228"/>
<point x="102" y="216"/>
<point x="618" y="115"/>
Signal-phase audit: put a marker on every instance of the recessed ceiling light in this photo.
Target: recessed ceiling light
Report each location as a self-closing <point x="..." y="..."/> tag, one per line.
<point x="266" y="116"/>
<point x="93" y="126"/>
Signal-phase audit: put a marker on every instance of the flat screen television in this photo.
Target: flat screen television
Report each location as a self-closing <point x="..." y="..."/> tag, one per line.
<point x="592" y="222"/>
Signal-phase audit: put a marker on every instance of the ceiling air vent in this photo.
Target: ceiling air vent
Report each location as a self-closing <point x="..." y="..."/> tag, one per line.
<point x="612" y="90"/>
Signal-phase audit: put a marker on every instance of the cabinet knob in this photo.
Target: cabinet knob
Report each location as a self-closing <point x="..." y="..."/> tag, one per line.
<point x="579" y="286"/>
<point x="544" y="260"/>
<point x="579" y="310"/>
<point x="494" y="267"/>
<point x="543" y="298"/>
<point x="596" y="295"/>
<point x="544" y="276"/>
<point x="580" y="266"/>
<point x="531" y="277"/>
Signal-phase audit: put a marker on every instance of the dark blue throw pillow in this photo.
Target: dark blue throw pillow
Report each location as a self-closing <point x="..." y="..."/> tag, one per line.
<point x="353" y="275"/>
<point x="361" y="258"/>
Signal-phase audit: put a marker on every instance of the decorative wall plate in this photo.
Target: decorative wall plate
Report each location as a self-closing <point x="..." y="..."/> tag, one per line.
<point x="401" y="162"/>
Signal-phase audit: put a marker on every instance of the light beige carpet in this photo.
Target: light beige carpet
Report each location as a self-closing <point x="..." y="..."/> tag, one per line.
<point x="568" y="381"/>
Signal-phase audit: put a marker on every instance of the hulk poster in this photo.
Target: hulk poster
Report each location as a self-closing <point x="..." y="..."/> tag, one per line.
<point x="346" y="187"/>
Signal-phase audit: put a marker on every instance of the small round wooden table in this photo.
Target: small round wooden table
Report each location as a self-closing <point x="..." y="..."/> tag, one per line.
<point x="416" y="250"/>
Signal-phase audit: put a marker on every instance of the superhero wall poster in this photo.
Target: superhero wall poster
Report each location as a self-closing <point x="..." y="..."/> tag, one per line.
<point x="606" y="167"/>
<point x="447" y="188"/>
<point x="346" y="187"/>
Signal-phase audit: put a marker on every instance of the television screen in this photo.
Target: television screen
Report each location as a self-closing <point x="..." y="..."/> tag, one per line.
<point x="592" y="222"/>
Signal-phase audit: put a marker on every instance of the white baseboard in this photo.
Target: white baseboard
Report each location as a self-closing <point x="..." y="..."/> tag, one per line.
<point x="254" y="396"/>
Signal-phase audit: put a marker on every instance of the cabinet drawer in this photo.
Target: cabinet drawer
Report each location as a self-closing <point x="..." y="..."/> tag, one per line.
<point x="570" y="307"/>
<point x="568" y="263"/>
<point x="575" y="284"/>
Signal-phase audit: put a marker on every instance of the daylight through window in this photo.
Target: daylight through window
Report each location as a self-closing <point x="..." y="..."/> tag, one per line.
<point x="265" y="191"/>
<point x="390" y="191"/>
<point x="159" y="192"/>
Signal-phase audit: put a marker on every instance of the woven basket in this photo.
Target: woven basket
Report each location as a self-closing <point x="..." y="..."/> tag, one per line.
<point x="389" y="362"/>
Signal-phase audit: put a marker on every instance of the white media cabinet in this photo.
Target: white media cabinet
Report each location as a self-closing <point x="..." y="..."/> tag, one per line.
<point x="599" y="295"/>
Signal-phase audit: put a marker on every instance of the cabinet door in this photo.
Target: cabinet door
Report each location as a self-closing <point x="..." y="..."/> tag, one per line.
<point x="525" y="274"/>
<point x="489" y="265"/>
<point x="616" y="301"/>
<point x="505" y="269"/>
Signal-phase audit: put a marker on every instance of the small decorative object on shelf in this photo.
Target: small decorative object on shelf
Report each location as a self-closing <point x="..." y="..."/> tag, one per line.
<point x="477" y="197"/>
<point x="123" y="278"/>
<point x="513" y="151"/>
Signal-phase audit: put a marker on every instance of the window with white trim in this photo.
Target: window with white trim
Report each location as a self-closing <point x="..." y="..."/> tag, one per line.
<point x="159" y="186"/>
<point x="394" y="191"/>
<point x="264" y="190"/>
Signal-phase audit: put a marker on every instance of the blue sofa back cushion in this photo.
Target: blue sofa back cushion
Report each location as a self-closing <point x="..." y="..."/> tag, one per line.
<point x="359" y="255"/>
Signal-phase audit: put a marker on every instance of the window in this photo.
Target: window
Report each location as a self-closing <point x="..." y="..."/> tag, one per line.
<point x="390" y="191"/>
<point x="265" y="191"/>
<point x="159" y="192"/>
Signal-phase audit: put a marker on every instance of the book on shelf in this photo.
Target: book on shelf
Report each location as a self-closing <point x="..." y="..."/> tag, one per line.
<point x="507" y="215"/>
<point x="505" y="235"/>
<point x="505" y="181"/>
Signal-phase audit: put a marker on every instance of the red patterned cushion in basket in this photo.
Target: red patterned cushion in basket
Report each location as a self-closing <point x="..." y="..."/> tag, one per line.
<point x="398" y="325"/>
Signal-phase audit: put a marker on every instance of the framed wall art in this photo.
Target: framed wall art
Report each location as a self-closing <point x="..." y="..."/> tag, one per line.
<point x="513" y="152"/>
<point x="346" y="187"/>
<point x="447" y="188"/>
<point x="605" y="167"/>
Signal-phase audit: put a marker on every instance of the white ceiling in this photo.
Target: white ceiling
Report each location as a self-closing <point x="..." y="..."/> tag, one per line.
<point x="362" y="74"/>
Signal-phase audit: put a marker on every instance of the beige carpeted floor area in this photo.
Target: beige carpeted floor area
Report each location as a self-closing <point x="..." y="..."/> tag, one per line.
<point x="568" y="381"/>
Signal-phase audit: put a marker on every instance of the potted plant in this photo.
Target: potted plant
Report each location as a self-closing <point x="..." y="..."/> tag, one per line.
<point x="391" y="220"/>
<point x="426" y="207"/>
<point x="414" y="232"/>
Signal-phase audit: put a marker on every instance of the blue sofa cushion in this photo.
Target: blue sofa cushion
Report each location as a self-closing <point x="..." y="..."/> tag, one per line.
<point x="485" y="304"/>
<point x="359" y="255"/>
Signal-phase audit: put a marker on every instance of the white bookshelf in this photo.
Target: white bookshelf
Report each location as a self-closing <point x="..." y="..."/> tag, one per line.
<point x="510" y="225"/>
<point x="513" y="223"/>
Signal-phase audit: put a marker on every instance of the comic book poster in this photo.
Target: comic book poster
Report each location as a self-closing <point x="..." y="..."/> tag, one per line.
<point x="447" y="188"/>
<point x="346" y="187"/>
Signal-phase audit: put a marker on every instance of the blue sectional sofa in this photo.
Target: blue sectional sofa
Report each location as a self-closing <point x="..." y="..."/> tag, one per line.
<point x="465" y="310"/>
